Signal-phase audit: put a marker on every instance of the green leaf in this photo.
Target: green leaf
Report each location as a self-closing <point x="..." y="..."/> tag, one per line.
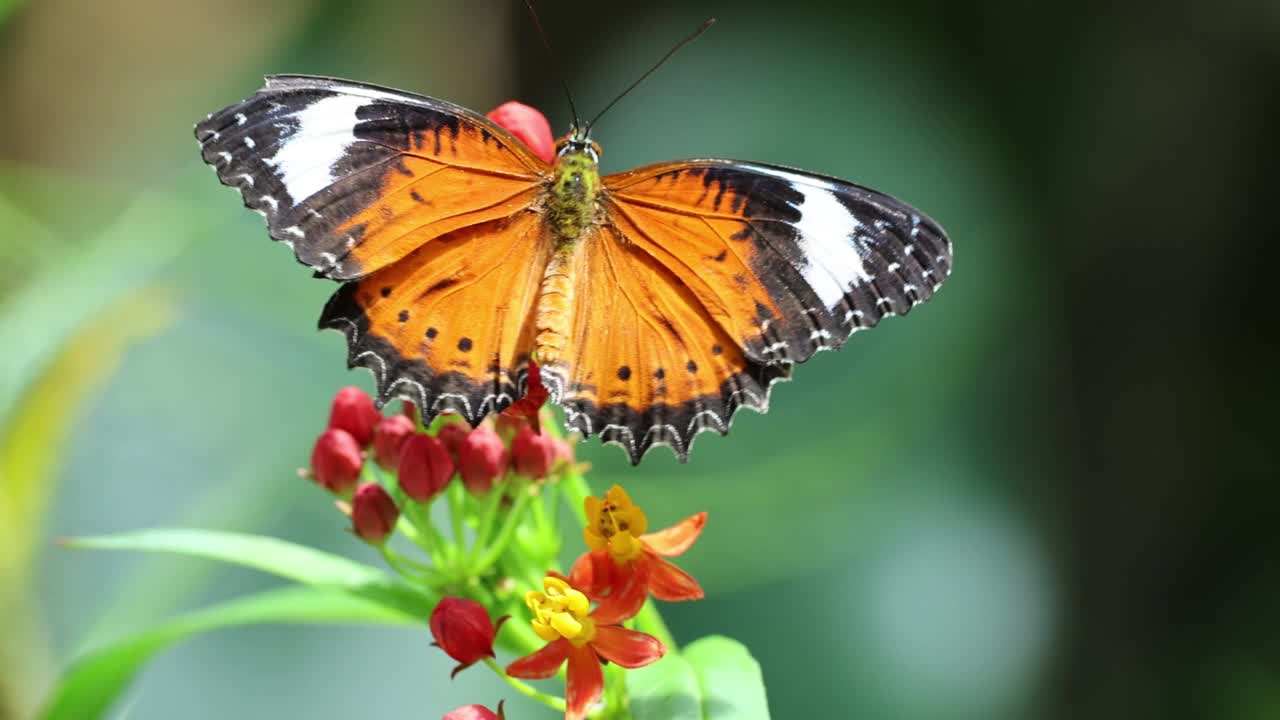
<point x="730" y="679"/>
<point x="278" y="557"/>
<point x="94" y="680"/>
<point x="665" y="690"/>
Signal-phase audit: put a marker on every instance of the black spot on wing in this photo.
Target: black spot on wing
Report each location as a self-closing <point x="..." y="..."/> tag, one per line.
<point x="433" y="391"/>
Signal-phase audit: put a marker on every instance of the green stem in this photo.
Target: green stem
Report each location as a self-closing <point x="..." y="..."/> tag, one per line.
<point x="493" y="552"/>
<point x="425" y="536"/>
<point x="456" y="493"/>
<point x="551" y="701"/>
<point x="488" y="512"/>
<point x="409" y="567"/>
<point x="575" y="489"/>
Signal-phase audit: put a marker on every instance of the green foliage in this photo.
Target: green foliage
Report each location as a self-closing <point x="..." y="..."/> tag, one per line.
<point x="730" y="679"/>
<point x="714" y="678"/>
<point x="294" y="562"/>
<point x="94" y="681"/>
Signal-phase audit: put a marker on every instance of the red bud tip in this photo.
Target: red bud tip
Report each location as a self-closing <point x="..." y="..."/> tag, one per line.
<point x="452" y="436"/>
<point x="409" y="410"/>
<point x="389" y="435"/>
<point x="482" y="459"/>
<point x="532" y="454"/>
<point x="373" y="513"/>
<point x="527" y="124"/>
<point x="462" y="629"/>
<point x="475" y="712"/>
<point x="336" y="460"/>
<point x="354" y="412"/>
<point x="425" y="467"/>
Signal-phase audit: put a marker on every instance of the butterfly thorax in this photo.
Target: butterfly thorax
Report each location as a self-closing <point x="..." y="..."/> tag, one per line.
<point x="575" y="183"/>
<point x="570" y="211"/>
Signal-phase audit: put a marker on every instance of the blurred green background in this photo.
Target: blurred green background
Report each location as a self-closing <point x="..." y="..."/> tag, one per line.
<point x="1044" y="495"/>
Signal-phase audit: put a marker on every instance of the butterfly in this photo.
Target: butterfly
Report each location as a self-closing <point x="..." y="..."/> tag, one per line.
<point x="653" y="304"/>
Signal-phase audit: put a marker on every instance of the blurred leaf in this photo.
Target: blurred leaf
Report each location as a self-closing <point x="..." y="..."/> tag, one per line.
<point x="730" y="679"/>
<point x="31" y="442"/>
<point x="665" y="690"/>
<point x="7" y="7"/>
<point x="278" y="557"/>
<point x="93" y="682"/>
<point x="39" y="320"/>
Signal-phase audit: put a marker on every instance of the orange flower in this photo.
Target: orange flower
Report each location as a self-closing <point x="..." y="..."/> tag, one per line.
<point x="626" y="564"/>
<point x="583" y="639"/>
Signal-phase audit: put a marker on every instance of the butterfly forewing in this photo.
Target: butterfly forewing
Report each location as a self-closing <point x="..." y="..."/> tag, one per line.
<point x="355" y="177"/>
<point x="449" y="327"/>
<point x="789" y="262"/>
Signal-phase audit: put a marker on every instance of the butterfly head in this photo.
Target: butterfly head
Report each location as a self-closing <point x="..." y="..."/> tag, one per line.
<point x="578" y="142"/>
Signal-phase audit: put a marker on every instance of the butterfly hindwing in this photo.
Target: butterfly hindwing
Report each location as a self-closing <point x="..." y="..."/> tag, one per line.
<point x="788" y="262"/>
<point x="449" y="327"/>
<point x="649" y="364"/>
<point x="355" y="177"/>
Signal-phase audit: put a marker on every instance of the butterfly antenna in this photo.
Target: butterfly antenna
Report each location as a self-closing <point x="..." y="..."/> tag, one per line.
<point x="706" y="25"/>
<point x="546" y="44"/>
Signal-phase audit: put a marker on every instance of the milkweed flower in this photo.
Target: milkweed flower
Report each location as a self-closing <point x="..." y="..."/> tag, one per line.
<point x="425" y="467"/>
<point x="462" y="628"/>
<point x="582" y="638"/>
<point x="528" y="124"/>
<point x="336" y="461"/>
<point x="353" y="410"/>
<point x="625" y="563"/>
<point x="452" y="434"/>
<point x="389" y="435"/>
<point x="482" y="459"/>
<point x="373" y="514"/>
<point x="532" y="453"/>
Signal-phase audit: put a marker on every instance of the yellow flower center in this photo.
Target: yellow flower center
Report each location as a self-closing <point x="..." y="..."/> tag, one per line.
<point x="615" y="524"/>
<point x="559" y="611"/>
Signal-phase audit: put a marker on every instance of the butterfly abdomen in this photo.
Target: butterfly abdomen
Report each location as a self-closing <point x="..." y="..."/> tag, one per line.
<point x="554" y="314"/>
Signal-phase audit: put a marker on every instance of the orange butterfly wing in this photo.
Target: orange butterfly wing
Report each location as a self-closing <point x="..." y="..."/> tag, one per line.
<point x="449" y="327"/>
<point x="355" y="177"/>
<point x="712" y="278"/>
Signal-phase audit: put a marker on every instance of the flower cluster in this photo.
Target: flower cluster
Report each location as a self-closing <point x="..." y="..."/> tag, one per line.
<point x="497" y="554"/>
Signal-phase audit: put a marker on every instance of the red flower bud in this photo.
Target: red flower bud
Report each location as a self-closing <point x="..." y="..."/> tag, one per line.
<point x="389" y="435"/>
<point x="409" y="410"/>
<point x="452" y="436"/>
<point x="354" y="412"/>
<point x="425" y="467"/>
<point x="527" y="124"/>
<point x="373" y="513"/>
<point x="475" y="712"/>
<point x="532" y="454"/>
<point x="336" y="460"/>
<point x="463" y="630"/>
<point x="482" y="458"/>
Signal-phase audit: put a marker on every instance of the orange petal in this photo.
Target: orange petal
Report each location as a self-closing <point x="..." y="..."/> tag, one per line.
<point x="541" y="664"/>
<point x="585" y="682"/>
<point x="627" y="594"/>
<point x="677" y="538"/>
<point x="670" y="583"/>
<point x="627" y="648"/>
<point x="592" y="574"/>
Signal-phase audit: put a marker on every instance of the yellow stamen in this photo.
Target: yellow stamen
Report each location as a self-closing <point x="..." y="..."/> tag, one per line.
<point x="615" y="524"/>
<point x="559" y="611"/>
